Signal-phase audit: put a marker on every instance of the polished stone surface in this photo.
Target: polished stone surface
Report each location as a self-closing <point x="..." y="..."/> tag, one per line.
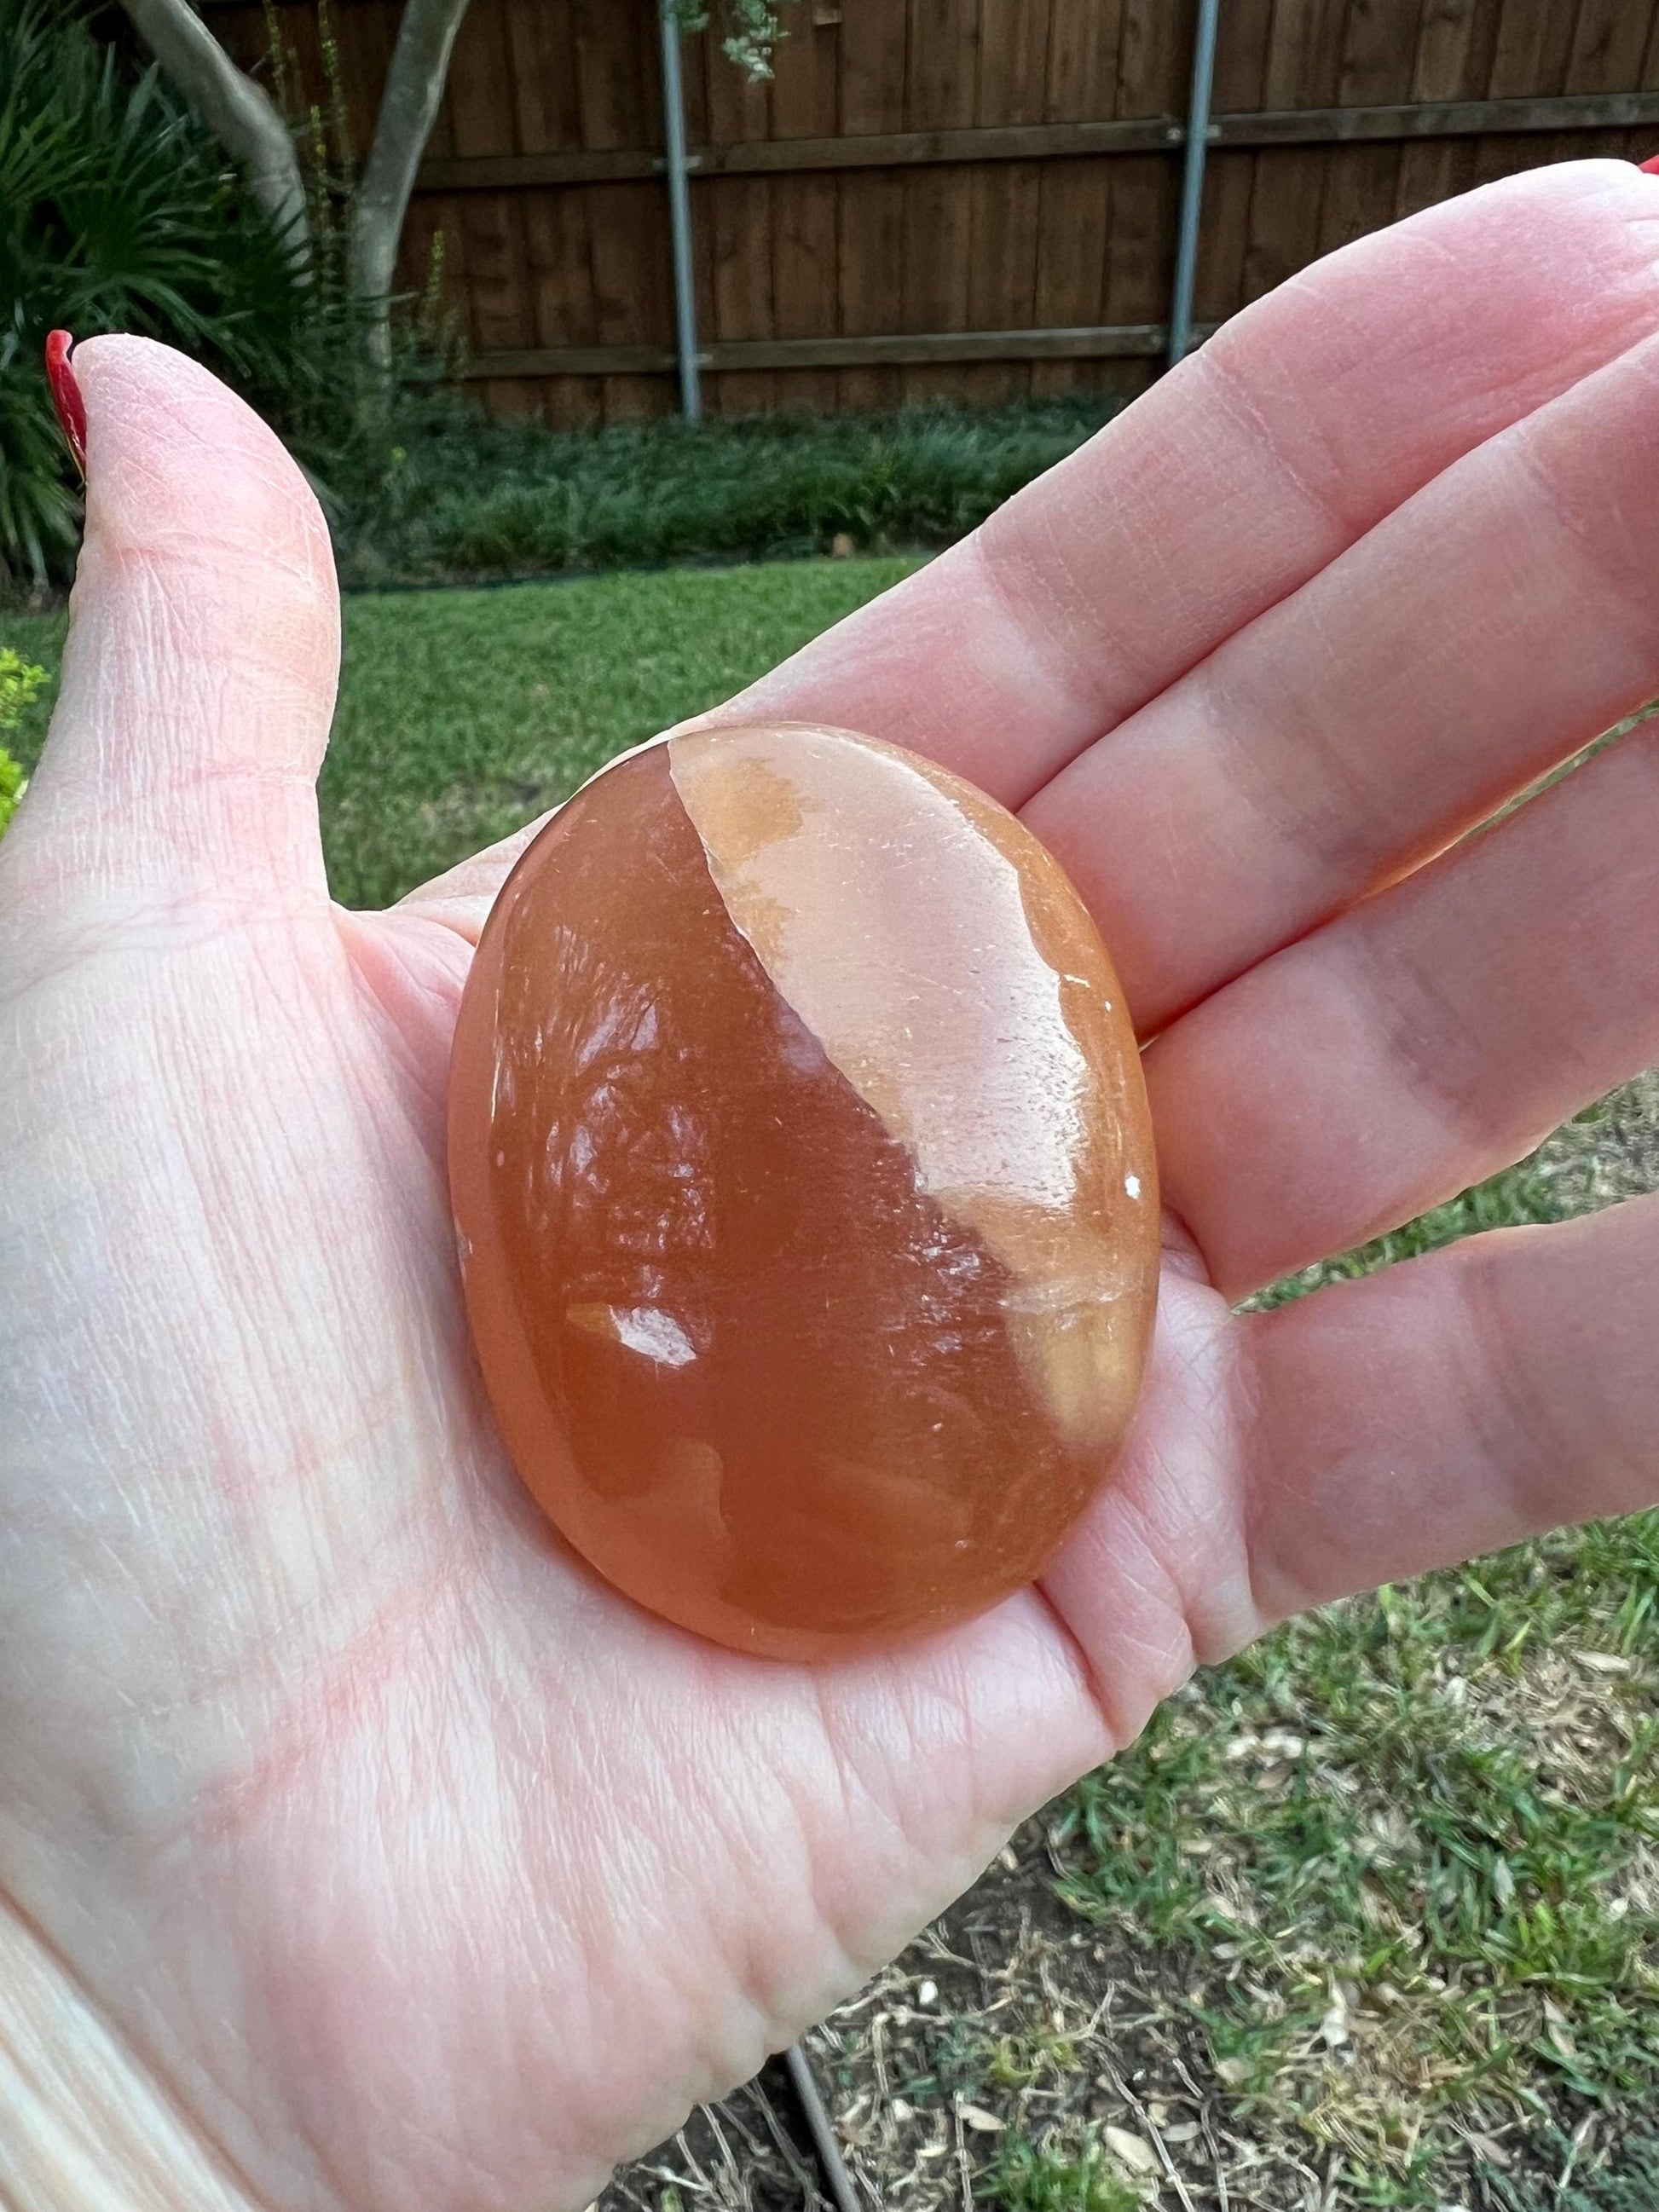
<point x="801" y="1165"/>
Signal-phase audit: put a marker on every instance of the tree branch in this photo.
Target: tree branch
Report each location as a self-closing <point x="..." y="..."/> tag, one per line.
<point x="243" y="118"/>
<point x="409" y="106"/>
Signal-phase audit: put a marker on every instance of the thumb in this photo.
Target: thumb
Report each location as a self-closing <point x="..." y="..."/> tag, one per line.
<point x="203" y="648"/>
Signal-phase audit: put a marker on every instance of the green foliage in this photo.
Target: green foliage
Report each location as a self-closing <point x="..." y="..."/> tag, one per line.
<point x="1028" y="2176"/>
<point x="120" y="212"/>
<point x="348" y="411"/>
<point x="39" y="499"/>
<point x="1581" y="2184"/>
<point x="20" y="681"/>
<point x="11" y="788"/>
<point x="469" y="498"/>
<point x="753" y="29"/>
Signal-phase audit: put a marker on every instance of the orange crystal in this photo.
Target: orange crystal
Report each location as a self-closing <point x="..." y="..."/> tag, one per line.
<point x="805" y="1187"/>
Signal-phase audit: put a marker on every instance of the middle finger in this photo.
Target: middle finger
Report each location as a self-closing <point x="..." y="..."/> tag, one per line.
<point x="1423" y="1040"/>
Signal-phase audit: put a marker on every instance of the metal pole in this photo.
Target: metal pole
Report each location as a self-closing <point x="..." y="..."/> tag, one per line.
<point x="1192" y="179"/>
<point x="680" y="214"/>
<point x="819" y="2126"/>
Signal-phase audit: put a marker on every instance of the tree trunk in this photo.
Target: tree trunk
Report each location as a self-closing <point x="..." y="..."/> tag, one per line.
<point x="409" y="106"/>
<point x="241" y="117"/>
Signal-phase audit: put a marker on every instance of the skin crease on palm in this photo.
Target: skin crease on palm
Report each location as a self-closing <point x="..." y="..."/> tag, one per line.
<point x="358" y="1853"/>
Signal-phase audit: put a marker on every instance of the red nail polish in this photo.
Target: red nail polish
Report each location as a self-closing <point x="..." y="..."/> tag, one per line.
<point x="1649" y="168"/>
<point x="66" y="396"/>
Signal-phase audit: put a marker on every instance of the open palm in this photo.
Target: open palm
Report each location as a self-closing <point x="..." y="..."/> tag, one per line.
<point x="357" y="1850"/>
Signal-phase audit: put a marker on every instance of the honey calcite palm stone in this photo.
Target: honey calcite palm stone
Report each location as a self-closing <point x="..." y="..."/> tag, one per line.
<point x="804" y="1188"/>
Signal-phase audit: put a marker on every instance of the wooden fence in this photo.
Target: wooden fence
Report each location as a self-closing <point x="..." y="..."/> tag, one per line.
<point x="974" y="199"/>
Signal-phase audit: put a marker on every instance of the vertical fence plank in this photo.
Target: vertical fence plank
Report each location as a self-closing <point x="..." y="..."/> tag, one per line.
<point x="1455" y="43"/>
<point x="1456" y="40"/>
<point x="740" y="213"/>
<point x="561" y="254"/>
<point x="1085" y="37"/>
<point x="1379" y="54"/>
<point x="1610" y="44"/>
<point x="481" y="107"/>
<point x="805" y="99"/>
<point x="620" y="104"/>
<point x="870" y="230"/>
<point x="1002" y="274"/>
<point x="1535" y="39"/>
<point x="1011" y="87"/>
<point x="1154" y="77"/>
<point x="1304" y="70"/>
<point x="1240" y="89"/>
<point x="940" y="95"/>
<point x="1012" y="77"/>
<point x="458" y="290"/>
<point x="364" y="38"/>
<point x="806" y="210"/>
<point x="1224" y="234"/>
<point x="542" y="55"/>
<point x="1155" y="58"/>
<point x="558" y="248"/>
<point x="1074" y="195"/>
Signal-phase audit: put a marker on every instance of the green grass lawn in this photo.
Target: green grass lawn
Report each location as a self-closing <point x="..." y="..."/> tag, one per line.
<point x="463" y="713"/>
<point x="1388" y="1885"/>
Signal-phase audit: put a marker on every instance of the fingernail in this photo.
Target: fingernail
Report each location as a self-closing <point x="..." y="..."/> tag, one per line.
<point x="66" y="396"/>
<point x="1649" y="168"/>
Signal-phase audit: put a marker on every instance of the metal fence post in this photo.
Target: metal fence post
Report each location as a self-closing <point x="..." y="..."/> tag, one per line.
<point x="1192" y="179"/>
<point x="680" y="214"/>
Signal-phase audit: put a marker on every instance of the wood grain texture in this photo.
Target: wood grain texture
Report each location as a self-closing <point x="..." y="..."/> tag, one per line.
<point x="1004" y="202"/>
<point x="1455" y="43"/>
<point x="1610" y="44"/>
<point x="541" y="58"/>
<point x="1224" y="236"/>
<point x="728" y="356"/>
<point x="1304" y="53"/>
<point x="1402" y="121"/>
<point x="937" y="174"/>
<point x="1379" y="55"/>
<point x="805" y="260"/>
<point x="1155" y="59"/>
<point x="1533" y="47"/>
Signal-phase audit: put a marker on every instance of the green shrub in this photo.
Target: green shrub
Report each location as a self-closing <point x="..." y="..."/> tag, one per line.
<point x="20" y="680"/>
<point x="1058" y="2177"/>
<point x="118" y="211"/>
<point x="471" y="498"/>
<point x="11" y="788"/>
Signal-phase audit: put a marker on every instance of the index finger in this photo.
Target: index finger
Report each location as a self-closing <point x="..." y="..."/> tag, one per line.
<point x="1302" y="422"/>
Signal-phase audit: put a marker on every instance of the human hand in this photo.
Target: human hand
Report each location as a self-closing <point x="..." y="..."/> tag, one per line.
<point x="358" y="1851"/>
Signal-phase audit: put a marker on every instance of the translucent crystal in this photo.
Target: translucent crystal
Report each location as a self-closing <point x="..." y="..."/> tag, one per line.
<point x="805" y="1190"/>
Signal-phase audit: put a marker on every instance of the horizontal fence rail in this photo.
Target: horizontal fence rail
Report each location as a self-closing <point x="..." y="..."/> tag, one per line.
<point x="1109" y="342"/>
<point x="1304" y="126"/>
